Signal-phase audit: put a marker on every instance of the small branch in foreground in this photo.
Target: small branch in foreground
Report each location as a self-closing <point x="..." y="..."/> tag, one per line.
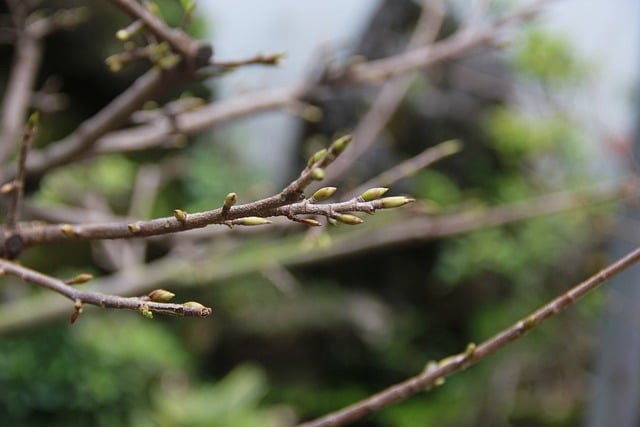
<point x="435" y="373"/>
<point x="145" y="305"/>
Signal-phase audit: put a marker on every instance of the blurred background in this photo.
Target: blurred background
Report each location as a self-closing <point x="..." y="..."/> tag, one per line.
<point x="302" y="326"/>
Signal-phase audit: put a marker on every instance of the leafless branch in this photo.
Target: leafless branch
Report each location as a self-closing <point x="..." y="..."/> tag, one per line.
<point x="195" y="53"/>
<point x="143" y="304"/>
<point x="435" y="372"/>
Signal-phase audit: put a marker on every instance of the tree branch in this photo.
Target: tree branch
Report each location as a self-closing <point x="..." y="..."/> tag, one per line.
<point x="143" y="304"/>
<point x="435" y="372"/>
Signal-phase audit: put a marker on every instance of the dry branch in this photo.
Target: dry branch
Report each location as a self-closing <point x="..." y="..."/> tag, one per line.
<point x="435" y="372"/>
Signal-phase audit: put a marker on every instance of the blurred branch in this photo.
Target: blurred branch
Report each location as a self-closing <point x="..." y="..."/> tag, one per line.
<point x="463" y="41"/>
<point x="435" y="372"/>
<point x="195" y="53"/>
<point x="28" y="55"/>
<point x="392" y="92"/>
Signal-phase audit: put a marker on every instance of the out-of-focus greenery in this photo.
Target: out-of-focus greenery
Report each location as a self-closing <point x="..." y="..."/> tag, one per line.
<point x="286" y="344"/>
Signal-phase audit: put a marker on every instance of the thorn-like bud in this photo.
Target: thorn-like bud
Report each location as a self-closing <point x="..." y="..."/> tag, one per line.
<point x="67" y="230"/>
<point x="324" y="193"/>
<point x="161" y="295"/>
<point x="394" y="202"/>
<point x="340" y="144"/>
<point x="316" y="157"/>
<point x="373" y="194"/>
<point x="180" y="215"/>
<point x="230" y="200"/>
<point x="349" y="219"/>
<point x="309" y="221"/>
<point x="253" y="220"/>
<point x="317" y="174"/>
<point x="79" y="279"/>
<point x="134" y="228"/>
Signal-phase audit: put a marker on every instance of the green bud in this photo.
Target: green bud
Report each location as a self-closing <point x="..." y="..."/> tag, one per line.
<point x="79" y="279"/>
<point x="452" y="146"/>
<point x="316" y="157"/>
<point x="122" y="35"/>
<point x="340" y="144"/>
<point x="470" y="350"/>
<point x="373" y="193"/>
<point x="317" y="174"/>
<point x="253" y="220"/>
<point x="349" y="219"/>
<point x="144" y="310"/>
<point x="161" y="295"/>
<point x="394" y="202"/>
<point x="34" y="118"/>
<point x="196" y="306"/>
<point x="114" y="63"/>
<point x="67" y="230"/>
<point x="230" y="200"/>
<point x="180" y="215"/>
<point x="324" y="193"/>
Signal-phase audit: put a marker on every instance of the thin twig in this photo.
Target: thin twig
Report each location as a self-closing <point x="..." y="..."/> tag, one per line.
<point x="196" y="53"/>
<point x="79" y="297"/>
<point x="259" y="59"/>
<point x="391" y="93"/>
<point x="156" y="132"/>
<point x="435" y="372"/>
<point x="410" y="166"/>
<point x="18" y="193"/>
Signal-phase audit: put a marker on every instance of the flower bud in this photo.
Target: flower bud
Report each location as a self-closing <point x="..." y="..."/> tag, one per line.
<point x="317" y="174"/>
<point x="316" y="157"/>
<point x="349" y="219"/>
<point x="253" y="220"/>
<point x="180" y="215"/>
<point x="161" y="295"/>
<point x="373" y="193"/>
<point x="324" y="193"/>
<point x="394" y="202"/>
<point x="340" y="144"/>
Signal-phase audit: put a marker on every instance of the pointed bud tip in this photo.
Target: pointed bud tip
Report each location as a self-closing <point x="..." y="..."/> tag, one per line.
<point x="394" y="202"/>
<point x="373" y="193"/>
<point x="349" y="219"/>
<point x="323" y="193"/>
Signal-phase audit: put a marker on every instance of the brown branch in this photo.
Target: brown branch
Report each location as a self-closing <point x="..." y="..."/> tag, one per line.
<point x="197" y="54"/>
<point x="391" y="93"/>
<point x="79" y="297"/>
<point x="111" y="116"/>
<point x="157" y="132"/>
<point x="179" y="271"/>
<point x="435" y="372"/>
<point x="18" y="184"/>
